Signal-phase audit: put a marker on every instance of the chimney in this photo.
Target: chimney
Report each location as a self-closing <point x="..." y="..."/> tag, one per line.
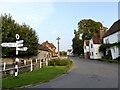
<point x="102" y="32"/>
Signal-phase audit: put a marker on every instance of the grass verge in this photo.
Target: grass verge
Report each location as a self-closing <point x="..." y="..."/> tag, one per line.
<point x="34" y="77"/>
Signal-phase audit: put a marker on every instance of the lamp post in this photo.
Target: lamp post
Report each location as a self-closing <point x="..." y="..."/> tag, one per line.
<point x="58" y="39"/>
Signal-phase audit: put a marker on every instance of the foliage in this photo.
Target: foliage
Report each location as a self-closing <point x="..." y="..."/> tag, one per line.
<point x="36" y="76"/>
<point x="10" y="28"/>
<point x="104" y="47"/>
<point x="87" y="27"/>
<point x="59" y="62"/>
<point x="77" y="44"/>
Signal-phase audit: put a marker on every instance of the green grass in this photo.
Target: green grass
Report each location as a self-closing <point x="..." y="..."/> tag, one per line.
<point x="34" y="77"/>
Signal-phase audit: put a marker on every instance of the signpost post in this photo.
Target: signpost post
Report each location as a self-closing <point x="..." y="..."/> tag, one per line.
<point x="19" y="47"/>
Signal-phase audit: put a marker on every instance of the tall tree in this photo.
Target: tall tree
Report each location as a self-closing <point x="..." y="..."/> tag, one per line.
<point x="10" y="28"/>
<point x="77" y="44"/>
<point x="87" y="27"/>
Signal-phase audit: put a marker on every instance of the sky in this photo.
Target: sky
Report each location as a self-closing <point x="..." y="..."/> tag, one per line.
<point x="59" y="19"/>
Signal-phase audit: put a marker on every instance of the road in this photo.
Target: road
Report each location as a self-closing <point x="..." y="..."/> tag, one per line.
<point x="86" y="74"/>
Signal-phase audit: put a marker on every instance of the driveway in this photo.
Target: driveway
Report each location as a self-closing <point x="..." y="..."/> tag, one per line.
<point x="86" y="74"/>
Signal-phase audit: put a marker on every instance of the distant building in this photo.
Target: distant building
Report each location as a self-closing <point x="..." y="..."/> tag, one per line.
<point x="51" y="47"/>
<point x="113" y="36"/>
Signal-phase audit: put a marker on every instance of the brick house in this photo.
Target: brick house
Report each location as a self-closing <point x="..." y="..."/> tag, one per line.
<point x="50" y="46"/>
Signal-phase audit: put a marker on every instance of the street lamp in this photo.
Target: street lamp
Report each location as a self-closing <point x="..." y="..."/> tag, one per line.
<point x="58" y="39"/>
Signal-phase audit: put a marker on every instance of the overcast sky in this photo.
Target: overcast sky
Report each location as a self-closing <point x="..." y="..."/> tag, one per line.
<point x="53" y="19"/>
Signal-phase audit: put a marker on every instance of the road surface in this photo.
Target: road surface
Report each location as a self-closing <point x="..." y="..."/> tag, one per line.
<point x="86" y="74"/>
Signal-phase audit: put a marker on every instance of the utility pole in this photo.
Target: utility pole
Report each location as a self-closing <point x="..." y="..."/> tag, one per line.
<point x="58" y="39"/>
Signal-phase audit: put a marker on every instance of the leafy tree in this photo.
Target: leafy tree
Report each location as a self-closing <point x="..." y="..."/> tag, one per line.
<point x="77" y="44"/>
<point x="87" y="27"/>
<point x="10" y="28"/>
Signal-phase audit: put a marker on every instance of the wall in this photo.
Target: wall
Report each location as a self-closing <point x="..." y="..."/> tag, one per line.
<point x="94" y="52"/>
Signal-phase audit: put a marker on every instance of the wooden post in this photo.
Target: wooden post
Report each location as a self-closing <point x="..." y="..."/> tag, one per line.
<point x="31" y="68"/>
<point x="4" y="66"/>
<point x="40" y="64"/>
<point x="36" y="60"/>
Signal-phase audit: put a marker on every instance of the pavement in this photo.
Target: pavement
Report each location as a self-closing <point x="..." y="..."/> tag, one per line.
<point x="85" y="74"/>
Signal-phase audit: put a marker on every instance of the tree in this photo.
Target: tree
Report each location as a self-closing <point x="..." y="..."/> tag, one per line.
<point x="77" y="44"/>
<point x="10" y="28"/>
<point x="87" y="27"/>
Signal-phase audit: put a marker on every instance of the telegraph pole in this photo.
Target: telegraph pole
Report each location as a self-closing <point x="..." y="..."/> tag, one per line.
<point x="58" y="39"/>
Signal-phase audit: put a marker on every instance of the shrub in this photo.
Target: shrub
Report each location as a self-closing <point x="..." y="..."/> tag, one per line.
<point x="59" y="62"/>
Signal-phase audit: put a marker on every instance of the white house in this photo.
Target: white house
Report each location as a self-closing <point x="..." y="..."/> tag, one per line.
<point x="94" y="47"/>
<point x="86" y="49"/>
<point x="113" y="36"/>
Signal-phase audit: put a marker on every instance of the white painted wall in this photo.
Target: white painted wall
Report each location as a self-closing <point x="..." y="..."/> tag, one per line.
<point x="112" y="39"/>
<point x="95" y="50"/>
<point x="96" y="53"/>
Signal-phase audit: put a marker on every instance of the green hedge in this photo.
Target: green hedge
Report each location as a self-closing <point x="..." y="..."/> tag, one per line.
<point x="59" y="62"/>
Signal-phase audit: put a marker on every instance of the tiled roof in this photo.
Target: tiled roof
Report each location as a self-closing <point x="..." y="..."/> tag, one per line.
<point x="49" y="44"/>
<point x="113" y="29"/>
<point x="44" y="48"/>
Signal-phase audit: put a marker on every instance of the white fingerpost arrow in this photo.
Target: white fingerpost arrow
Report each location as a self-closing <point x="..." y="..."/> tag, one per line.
<point x="8" y="44"/>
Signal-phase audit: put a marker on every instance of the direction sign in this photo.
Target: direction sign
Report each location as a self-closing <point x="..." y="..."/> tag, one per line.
<point x="19" y="45"/>
<point x="20" y="41"/>
<point x="22" y="49"/>
<point x="8" y="44"/>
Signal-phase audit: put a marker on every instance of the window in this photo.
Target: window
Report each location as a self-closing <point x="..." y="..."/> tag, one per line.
<point x="107" y="41"/>
<point x="91" y="45"/>
<point x="91" y="53"/>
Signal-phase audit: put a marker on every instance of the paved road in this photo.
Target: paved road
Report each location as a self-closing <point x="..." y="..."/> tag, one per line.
<point x="86" y="74"/>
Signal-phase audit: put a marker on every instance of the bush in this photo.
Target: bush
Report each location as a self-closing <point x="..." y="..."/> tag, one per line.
<point x="59" y="62"/>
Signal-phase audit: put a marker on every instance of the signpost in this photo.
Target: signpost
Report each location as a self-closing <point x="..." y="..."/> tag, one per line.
<point x="19" y="47"/>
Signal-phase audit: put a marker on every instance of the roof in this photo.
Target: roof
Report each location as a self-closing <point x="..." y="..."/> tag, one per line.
<point x="113" y="29"/>
<point x="41" y="47"/>
<point x="49" y="44"/>
<point x="96" y="39"/>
